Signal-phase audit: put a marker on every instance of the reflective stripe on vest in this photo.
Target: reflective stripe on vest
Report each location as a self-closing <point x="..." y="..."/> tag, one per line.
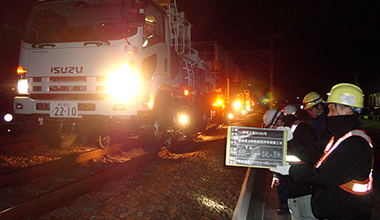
<point x="295" y="125"/>
<point x="291" y="158"/>
<point x="354" y="186"/>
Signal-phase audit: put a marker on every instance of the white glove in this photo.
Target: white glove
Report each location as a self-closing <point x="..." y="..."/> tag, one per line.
<point x="289" y="132"/>
<point x="284" y="170"/>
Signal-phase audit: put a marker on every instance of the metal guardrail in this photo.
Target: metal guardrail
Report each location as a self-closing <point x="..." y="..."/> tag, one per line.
<point x="242" y="207"/>
<point x="251" y="203"/>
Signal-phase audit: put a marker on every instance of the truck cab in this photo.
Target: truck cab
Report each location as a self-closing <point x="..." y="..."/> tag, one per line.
<point x="88" y="68"/>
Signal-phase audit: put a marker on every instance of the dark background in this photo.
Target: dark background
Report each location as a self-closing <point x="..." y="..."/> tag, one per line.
<point x="319" y="44"/>
<point x="316" y="43"/>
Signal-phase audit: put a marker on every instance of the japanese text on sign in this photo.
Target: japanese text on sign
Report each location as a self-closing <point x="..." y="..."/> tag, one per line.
<point x="255" y="147"/>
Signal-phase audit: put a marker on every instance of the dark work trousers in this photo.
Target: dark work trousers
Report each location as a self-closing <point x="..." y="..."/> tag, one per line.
<point x="282" y="194"/>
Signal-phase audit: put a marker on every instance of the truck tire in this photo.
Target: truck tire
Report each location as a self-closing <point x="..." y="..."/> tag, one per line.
<point x="58" y="136"/>
<point x="104" y="141"/>
<point x="153" y="138"/>
<point x="203" y="119"/>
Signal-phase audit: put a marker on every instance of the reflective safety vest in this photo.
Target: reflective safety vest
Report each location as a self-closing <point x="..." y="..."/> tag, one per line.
<point x="295" y="125"/>
<point x="291" y="158"/>
<point x="354" y="186"/>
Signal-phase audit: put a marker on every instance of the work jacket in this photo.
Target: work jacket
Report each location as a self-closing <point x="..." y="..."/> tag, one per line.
<point x="304" y="135"/>
<point x="351" y="160"/>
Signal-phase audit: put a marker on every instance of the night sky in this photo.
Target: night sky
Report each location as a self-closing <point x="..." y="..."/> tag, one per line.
<point x="318" y="43"/>
<point x="321" y="43"/>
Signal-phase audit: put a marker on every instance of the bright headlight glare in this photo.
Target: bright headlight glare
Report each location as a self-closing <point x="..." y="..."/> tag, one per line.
<point x="237" y="104"/>
<point x="123" y="83"/>
<point x="230" y="115"/>
<point x="8" y="117"/>
<point x="183" y="119"/>
<point x="22" y="86"/>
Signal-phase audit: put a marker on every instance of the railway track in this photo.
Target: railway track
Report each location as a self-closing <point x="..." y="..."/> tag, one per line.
<point x="34" y="191"/>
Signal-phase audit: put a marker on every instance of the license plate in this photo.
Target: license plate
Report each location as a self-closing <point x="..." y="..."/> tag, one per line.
<point x="64" y="110"/>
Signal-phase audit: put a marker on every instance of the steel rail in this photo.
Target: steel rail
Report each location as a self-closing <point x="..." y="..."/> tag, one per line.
<point x="30" y="173"/>
<point x="48" y="202"/>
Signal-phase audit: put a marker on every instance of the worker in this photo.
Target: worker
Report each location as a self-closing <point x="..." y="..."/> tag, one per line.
<point x="342" y="178"/>
<point x="149" y="32"/>
<point x="304" y="143"/>
<point x="273" y="119"/>
<point x="317" y="110"/>
<point x="299" y="194"/>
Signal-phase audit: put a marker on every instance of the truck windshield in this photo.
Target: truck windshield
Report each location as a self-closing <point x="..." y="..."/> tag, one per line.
<point x="76" y="21"/>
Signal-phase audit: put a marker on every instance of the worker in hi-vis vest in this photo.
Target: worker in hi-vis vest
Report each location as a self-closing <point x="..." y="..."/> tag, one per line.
<point x="342" y="178"/>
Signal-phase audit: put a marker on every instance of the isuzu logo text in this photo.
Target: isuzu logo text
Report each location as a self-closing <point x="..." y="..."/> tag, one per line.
<point x="68" y="69"/>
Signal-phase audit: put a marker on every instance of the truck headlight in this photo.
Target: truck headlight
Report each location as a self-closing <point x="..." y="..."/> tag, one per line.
<point x="183" y="120"/>
<point x="230" y="115"/>
<point x="8" y="117"/>
<point x="22" y="86"/>
<point x="237" y="105"/>
<point x="123" y="83"/>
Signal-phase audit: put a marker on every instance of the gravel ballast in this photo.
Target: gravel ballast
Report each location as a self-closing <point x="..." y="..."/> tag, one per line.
<point x="182" y="185"/>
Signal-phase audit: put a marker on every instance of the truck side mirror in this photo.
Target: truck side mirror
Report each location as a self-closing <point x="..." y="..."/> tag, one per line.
<point x="134" y="19"/>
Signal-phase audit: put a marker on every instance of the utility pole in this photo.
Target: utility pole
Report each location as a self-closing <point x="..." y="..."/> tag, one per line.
<point x="261" y="56"/>
<point x="271" y="93"/>
<point x="270" y="66"/>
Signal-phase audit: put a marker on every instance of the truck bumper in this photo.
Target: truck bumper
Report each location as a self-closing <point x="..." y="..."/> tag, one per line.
<point x="106" y="107"/>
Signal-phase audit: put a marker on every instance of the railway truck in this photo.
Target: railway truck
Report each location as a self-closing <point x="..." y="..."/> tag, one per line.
<point x="95" y="68"/>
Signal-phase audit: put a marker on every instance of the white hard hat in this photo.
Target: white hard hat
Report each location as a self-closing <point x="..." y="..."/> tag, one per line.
<point x="289" y="110"/>
<point x="270" y="117"/>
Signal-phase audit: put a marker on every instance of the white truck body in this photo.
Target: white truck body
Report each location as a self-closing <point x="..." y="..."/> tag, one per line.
<point x="85" y="65"/>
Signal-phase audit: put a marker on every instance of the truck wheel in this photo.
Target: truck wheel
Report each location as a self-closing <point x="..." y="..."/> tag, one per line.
<point x="104" y="141"/>
<point x="153" y="138"/>
<point x="59" y="138"/>
<point x="66" y="139"/>
<point x="203" y="120"/>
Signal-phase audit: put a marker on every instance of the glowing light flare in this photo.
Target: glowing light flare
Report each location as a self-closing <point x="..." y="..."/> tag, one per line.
<point x="150" y="104"/>
<point x="237" y="104"/>
<point x="8" y="117"/>
<point x="183" y="119"/>
<point x="22" y="86"/>
<point x="123" y="83"/>
<point x="218" y="102"/>
<point x="230" y="116"/>
<point x="186" y="92"/>
<point x="21" y="71"/>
